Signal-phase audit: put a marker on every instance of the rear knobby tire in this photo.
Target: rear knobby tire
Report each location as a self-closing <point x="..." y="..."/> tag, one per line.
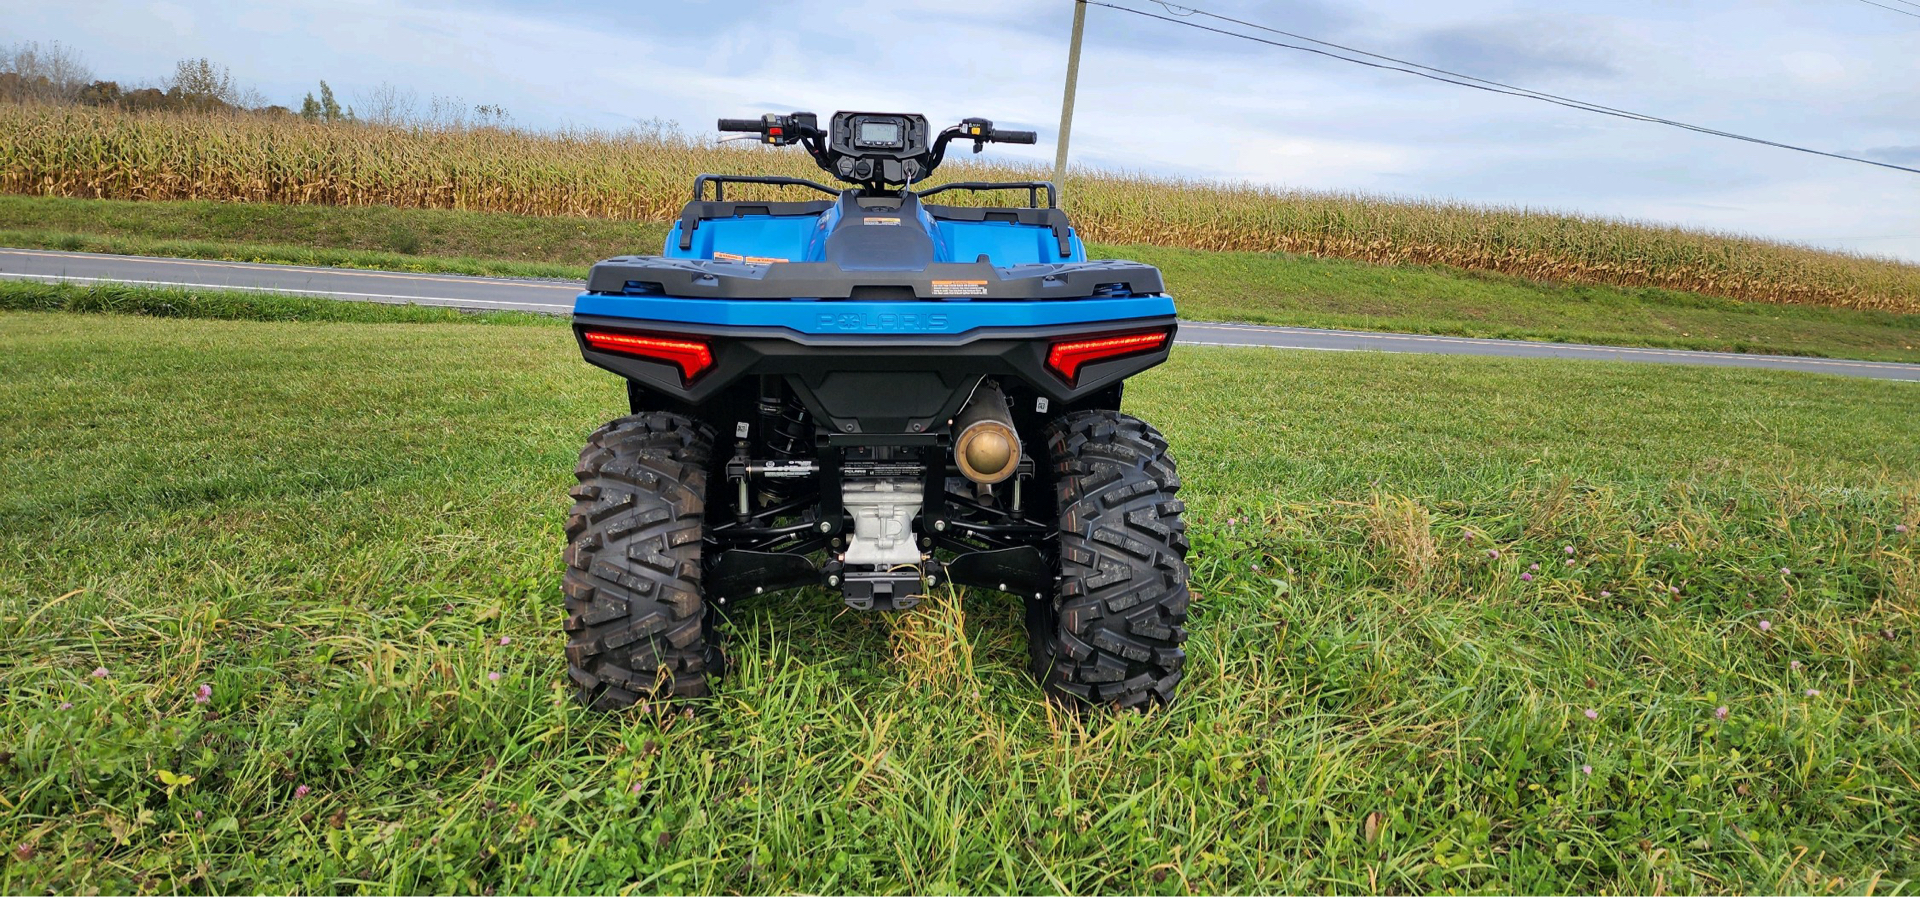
<point x="637" y="625"/>
<point x="1112" y="632"/>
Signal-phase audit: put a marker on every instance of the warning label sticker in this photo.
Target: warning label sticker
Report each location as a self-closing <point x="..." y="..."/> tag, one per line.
<point x="959" y="288"/>
<point x="749" y="259"/>
<point x="889" y="222"/>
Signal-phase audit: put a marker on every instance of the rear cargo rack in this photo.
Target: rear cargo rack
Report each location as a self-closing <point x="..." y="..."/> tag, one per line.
<point x="1033" y="189"/>
<point x="720" y="182"/>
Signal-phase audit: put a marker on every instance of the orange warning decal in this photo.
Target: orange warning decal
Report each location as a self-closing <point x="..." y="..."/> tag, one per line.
<point x="959" y="288"/>
<point x="749" y="259"/>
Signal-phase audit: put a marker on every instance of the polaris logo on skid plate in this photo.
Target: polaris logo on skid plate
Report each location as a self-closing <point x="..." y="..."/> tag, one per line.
<point x="884" y="322"/>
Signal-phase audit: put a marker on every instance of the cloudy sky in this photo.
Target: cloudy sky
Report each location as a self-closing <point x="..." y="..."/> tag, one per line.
<point x="1840" y="75"/>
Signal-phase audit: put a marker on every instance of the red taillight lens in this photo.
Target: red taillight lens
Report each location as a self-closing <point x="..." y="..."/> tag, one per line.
<point x="692" y="357"/>
<point x="1065" y="359"/>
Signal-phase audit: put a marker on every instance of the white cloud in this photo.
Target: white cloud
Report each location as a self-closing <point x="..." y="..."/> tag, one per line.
<point x="1815" y="68"/>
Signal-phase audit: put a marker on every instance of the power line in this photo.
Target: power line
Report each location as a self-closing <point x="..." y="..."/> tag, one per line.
<point x="1531" y="93"/>
<point x="1893" y="8"/>
<point x="1460" y="80"/>
<point x="1481" y="83"/>
<point x="1537" y="93"/>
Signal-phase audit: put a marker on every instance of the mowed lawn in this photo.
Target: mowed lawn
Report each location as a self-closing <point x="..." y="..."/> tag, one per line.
<point x="279" y="610"/>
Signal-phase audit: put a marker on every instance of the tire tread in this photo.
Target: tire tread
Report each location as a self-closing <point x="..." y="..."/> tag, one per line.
<point x="636" y="625"/>
<point x="1113" y="631"/>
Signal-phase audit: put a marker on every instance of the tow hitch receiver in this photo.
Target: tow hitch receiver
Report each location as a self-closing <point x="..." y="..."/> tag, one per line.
<point x="883" y="589"/>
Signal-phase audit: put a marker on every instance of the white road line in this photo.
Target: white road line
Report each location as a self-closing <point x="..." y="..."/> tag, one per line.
<point x="432" y="300"/>
<point x="1572" y="347"/>
<point x="573" y="285"/>
<point x="1194" y="342"/>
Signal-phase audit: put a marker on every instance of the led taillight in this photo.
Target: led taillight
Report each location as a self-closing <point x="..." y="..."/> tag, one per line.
<point x="1065" y="359"/>
<point x="692" y="357"/>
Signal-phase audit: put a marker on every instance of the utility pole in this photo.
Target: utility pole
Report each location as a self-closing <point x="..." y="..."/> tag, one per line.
<point x="1066" y="102"/>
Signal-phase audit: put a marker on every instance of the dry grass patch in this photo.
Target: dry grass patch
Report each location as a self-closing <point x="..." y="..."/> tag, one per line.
<point x="1402" y="528"/>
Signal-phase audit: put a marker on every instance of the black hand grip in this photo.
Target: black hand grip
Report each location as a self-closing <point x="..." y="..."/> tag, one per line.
<point x="1000" y="136"/>
<point x="747" y="125"/>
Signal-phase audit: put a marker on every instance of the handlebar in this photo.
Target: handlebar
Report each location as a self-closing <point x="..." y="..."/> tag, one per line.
<point x="872" y="149"/>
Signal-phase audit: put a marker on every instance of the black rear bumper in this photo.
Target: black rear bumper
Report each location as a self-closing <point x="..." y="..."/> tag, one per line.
<point x="870" y="383"/>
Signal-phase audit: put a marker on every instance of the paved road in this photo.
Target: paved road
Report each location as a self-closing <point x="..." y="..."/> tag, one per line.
<point x="556" y="297"/>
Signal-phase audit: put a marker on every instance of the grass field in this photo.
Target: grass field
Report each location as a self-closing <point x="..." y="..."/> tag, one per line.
<point x="1267" y="288"/>
<point x="95" y="153"/>
<point x="279" y="611"/>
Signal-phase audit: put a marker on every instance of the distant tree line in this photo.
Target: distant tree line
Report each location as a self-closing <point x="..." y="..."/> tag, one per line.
<point x="54" y="73"/>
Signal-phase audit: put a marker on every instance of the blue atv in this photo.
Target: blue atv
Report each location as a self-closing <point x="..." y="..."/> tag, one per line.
<point x="879" y="395"/>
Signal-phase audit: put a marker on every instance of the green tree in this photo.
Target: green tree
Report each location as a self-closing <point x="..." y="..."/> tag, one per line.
<point x="329" y="107"/>
<point x="100" y="93"/>
<point x="310" y="108"/>
<point x="200" y="84"/>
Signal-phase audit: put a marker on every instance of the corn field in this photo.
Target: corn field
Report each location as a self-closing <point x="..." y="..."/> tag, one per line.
<point x="99" y="153"/>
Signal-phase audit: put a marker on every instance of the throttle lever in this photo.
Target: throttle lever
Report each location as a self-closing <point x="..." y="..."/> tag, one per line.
<point x="979" y="129"/>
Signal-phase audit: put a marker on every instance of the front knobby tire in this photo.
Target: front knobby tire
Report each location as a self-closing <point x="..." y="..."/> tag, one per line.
<point x="637" y="625"/>
<point x="1112" y="632"/>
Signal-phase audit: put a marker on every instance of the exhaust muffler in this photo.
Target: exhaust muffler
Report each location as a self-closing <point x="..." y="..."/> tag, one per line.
<point x="984" y="442"/>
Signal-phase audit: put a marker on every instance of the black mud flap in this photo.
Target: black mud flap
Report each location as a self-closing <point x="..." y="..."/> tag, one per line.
<point x="739" y="573"/>
<point x="1022" y="571"/>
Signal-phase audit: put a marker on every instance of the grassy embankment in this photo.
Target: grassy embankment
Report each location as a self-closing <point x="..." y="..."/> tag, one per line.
<point x="359" y="562"/>
<point x="91" y="153"/>
<point x="1232" y="286"/>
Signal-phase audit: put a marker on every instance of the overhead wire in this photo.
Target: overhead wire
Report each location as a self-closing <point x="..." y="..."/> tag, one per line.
<point x="1389" y="63"/>
<point x="1893" y="8"/>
